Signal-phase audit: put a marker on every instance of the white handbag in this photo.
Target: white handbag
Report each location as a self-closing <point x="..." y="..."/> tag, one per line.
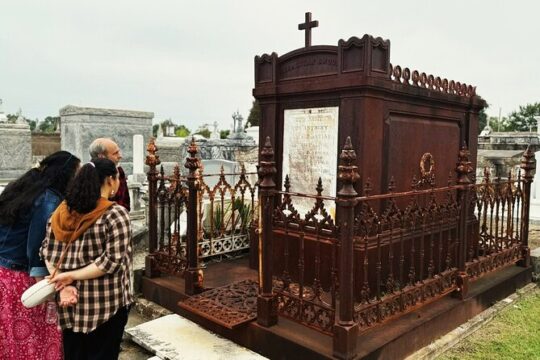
<point x="42" y="290"/>
<point x="38" y="293"/>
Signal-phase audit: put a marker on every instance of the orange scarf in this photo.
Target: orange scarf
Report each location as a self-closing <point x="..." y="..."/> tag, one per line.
<point x="70" y="225"/>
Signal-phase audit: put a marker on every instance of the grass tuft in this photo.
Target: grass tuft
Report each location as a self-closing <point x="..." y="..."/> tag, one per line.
<point x="512" y="334"/>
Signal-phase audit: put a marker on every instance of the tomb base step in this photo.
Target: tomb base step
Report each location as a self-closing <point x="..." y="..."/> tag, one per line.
<point x="173" y="337"/>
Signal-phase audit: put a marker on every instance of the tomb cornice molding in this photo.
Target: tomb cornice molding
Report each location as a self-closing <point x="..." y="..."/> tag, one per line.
<point x="77" y="110"/>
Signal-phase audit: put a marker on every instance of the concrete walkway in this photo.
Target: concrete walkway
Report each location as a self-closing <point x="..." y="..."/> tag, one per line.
<point x="173" y="337"/>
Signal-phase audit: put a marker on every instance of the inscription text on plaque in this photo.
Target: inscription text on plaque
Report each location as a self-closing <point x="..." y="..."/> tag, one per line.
<point x="310" y="145"/>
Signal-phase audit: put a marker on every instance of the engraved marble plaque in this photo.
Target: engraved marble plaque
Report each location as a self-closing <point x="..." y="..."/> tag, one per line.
<point x="310" y="148"/>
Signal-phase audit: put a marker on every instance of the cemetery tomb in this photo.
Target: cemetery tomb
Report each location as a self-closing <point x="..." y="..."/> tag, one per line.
<point x="368" y="235"/>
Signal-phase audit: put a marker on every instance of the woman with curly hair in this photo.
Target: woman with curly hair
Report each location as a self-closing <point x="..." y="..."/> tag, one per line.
<point x="25" y="206"/>
<point x="94" y="234"/>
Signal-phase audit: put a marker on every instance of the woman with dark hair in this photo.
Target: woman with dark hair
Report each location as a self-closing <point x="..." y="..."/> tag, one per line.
<point x="25" y="206"/>
<point x="95" y="234"/>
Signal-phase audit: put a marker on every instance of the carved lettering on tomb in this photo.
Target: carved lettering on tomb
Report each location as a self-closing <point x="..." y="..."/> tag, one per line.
<point x="310" y="145"/>
<point x="308" y="65"/>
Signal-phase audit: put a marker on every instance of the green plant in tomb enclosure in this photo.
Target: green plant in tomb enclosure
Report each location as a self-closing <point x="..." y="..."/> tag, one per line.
<point x="222" y="217"/>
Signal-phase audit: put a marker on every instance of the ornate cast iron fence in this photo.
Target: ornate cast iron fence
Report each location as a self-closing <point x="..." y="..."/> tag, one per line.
<point x="378" y="257"/>
<point x="306" y="278"/>
<point x="417" y="242"/>
<point x="167" y="202"/>
<point x="223" y="214"/>
<point x="384" y="255"/>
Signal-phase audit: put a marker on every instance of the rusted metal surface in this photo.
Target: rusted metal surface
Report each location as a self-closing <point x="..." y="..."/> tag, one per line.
<point x="409" y="248"/>
<point x="302" y="293"/>
<point x="430" y="82"/>
<point x="230" y="306"/>
<point x="346" y="328"/>
<point x="501" y="207"/>
<point x="229" y="210"/>
<point x="174" y="233"/>
<point x="170" y="202"/>
<point x="193" y="281"/>
<point x="266" y="299"/>
<point x="152" y="160"/>
<point x="400" y="235"/>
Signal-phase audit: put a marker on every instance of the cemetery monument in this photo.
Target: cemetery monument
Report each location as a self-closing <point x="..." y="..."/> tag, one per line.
<point x="81" y="125"/>
<point x="16" y="149"/>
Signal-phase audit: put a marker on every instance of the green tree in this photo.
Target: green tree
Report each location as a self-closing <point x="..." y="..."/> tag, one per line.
<point x="49" y="124"/>
<point x="33" y="124"/>
<point x="11" y="118"/>
<point x="523" y="120"/>
<point x="254" y="117"/>
<point x="204" y="132"/>
<point x="482" y="120"/>
<point x="155" y="128"/>
<point x="499" y="126"/>
<point x="182" y="131"/>
<point x="224" y="133"/>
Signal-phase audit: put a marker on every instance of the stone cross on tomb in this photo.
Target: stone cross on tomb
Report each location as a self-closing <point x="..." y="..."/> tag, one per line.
<point x="307" y="27"/>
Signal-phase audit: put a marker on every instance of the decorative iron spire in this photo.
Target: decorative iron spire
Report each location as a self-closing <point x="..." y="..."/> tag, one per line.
<point x="152" y="159"/>
<point x="347" y="171"/>
<point x="267" y="165"/>
<point x="464" y="166"/>
<point x="528" y="164"/>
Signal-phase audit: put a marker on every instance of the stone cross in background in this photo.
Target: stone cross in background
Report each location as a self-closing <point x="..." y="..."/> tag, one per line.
<point x="238" y="128"/>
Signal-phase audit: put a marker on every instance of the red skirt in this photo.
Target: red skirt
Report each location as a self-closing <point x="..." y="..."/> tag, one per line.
<point x="25" y="333"/>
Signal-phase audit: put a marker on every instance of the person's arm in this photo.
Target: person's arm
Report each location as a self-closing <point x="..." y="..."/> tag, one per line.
<point x="118" y="243"/>
<point x="63" y="279"/>
<point x="36" y="233"/>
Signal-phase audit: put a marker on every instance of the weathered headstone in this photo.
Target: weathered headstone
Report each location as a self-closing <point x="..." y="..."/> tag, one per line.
<point x="16" y="147"/>
<point x="138" y="158"/>
<point x="225" y="149"/>
<point x="81" y="125"/>
<point x="170" y="153"/>
<point x="213" y="167"/>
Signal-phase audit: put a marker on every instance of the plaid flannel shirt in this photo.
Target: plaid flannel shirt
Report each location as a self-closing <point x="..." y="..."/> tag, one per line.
<point x="107" y="243"/>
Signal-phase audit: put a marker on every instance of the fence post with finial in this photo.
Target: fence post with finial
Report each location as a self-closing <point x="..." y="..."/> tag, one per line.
<point x="345" y="327"/>
<point x="463" y="169"/>
<point x="528" y="166"/>
<point x="152" y="160"/>
<point x="192" y="285"/>
<point x="266" y="300"/>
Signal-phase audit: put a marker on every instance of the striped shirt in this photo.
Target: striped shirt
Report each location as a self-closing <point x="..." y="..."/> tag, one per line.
<point x="107" y="243"/>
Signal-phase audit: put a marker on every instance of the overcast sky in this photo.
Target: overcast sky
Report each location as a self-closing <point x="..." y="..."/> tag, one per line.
<point x="192" y="61"/>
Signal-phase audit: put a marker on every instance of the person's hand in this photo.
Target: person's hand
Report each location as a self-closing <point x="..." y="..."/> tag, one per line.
<point x="68" y="296"/>
<point x="62" y="280"/>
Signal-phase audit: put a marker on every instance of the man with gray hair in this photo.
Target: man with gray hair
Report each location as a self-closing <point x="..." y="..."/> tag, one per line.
<point x="108" y="149"/>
